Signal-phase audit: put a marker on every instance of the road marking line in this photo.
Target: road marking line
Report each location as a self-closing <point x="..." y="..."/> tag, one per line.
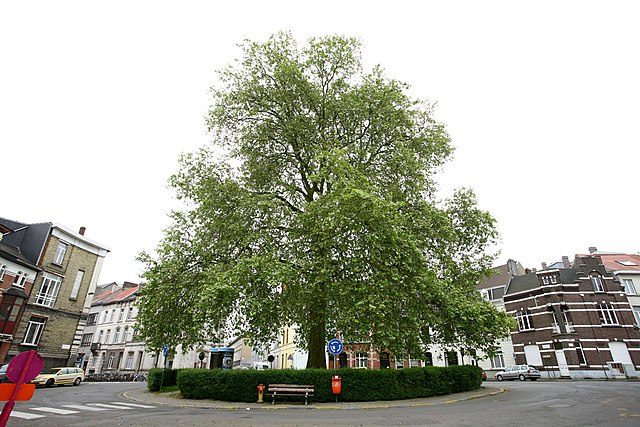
<point x="26" y="415"/>
<point x="133" y="404"/>
<point x="105" y="405"/>
<point x="54" y="410"/>
<point x="85" y="408"/>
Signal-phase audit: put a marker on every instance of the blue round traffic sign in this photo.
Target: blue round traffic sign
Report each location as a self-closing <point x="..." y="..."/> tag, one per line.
<point x="335" y="347"/>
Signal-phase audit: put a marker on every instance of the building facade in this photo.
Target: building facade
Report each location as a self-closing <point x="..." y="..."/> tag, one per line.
<point x="574" y="322"/>
<point x="56" y="310"/>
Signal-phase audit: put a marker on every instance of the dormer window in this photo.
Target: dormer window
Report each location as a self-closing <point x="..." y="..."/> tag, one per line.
<point x="545" y="280"/>
<point x="553" y="279"/>
<point x="596" y="281"/>
<point x="627" y="263"/>
<point x="20" y="279"/>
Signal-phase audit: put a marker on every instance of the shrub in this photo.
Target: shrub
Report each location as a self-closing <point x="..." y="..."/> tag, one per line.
<point x="161" y="378"/>
<point x="358" y="385"/>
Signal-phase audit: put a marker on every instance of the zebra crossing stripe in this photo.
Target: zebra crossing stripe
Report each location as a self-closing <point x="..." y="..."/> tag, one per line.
<point x="57" y="411"/>
<point x="25" y="415"/>
<point x="85" y="408"/>
<point x="137" y="405"/>
<point x="105" y="405"/>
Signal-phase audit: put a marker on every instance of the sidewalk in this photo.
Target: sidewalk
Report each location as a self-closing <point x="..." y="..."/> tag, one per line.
<point x="174" y="399"/>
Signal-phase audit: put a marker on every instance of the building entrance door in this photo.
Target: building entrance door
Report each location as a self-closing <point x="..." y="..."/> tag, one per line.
<point x="562" y="363"/>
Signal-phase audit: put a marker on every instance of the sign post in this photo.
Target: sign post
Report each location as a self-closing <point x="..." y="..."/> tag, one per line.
<point x="22" y="369"/>
<point x="335" y="347"/>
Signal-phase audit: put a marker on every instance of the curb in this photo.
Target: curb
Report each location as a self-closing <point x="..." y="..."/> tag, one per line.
<point x="282" y="407"/>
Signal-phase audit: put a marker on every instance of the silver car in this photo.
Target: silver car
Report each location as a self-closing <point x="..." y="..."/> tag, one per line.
<point x="521" y="372"/>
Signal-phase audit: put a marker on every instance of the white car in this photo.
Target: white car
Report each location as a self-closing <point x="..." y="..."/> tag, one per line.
<point x="58" y="376"/>
<point x="519" y="372"/>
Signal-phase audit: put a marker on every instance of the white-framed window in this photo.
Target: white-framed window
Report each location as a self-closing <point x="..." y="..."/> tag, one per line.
<point x="20" y="279"/>
<point x="545" y="280"/>
<point x="100" y="335"/>
<point x="121" y="315"/>
<point x="129" y="361"/>
<point x="48" y="291"/>
<point x="34" y="330"/>
<point x="60" y="251"/>
<point x="3" y="269"/>
<point x="554" y="279"/>
<point x="76" y="285"/>
<point x="497" y="361"/>
<point x="108" y="335"/>
<point x="629" y="287"/>
<point x="131" y="314"/>
<point x="636" y="313"/>
<point x="524" y="320"/>
<point x="110" y="364"/>
<point x="596" y="281"/>
<point x="607" y="314"/>
<point x="116" y="335"/>
<point x="495" y="293"/>
<point x="113" y="315"/>
<point x="580" y="352"/>
<point x="361" y="360"/>
<point x="125" y="334"/>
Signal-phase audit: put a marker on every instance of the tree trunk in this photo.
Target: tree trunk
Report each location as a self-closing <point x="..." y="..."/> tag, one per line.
<point x="317" y="340"/>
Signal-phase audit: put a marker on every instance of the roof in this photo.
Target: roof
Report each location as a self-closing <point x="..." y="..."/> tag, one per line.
<point x="501" y="278"/>
<point x="616" y="262"/>
<point x="29" y="239"/>
<point x="11" y="224"/>
<point x="13" y="254"/>
<point x="118" y="295"/>
<point x="530" y="280"/>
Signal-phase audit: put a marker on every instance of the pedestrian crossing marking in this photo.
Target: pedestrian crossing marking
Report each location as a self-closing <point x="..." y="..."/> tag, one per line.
<point x="85" y="408"/>
<point x="54" y="410"/>
<point x="106" y="405"/>
<point x="137" y="405"/>
<point x="26" y="415"/>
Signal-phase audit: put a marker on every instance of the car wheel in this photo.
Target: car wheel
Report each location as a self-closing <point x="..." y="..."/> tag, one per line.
<point x="49" y="382"/>
<point x="77" y="381"/>
<point x="499" y="377"/>
<point x="522" y="377"/>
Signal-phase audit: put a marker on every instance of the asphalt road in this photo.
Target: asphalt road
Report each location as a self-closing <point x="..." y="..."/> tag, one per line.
<point x="549" y="403"/>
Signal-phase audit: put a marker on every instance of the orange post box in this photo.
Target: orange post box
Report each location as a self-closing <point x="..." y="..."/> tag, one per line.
<point x="336" y="384"/>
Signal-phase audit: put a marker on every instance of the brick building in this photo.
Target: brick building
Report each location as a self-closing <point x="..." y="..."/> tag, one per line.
<point x="56" y="310"/>
<point x="574" y="322"/>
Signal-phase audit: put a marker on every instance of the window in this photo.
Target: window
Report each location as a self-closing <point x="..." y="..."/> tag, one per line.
<point x="636" y="313"/>
<point x="596" y="281"/>
<point x="361" y="360"/>
<point x="34" y="330"/>
<point x="567" y="321"/>
<point x="130" y="313"/>
<point x="3" y="269"/>
<point x="60" y="251"/>
<point x="580" y="352"/>
<point x="86" y="339"/>
<point x="495" y="293"/>
<point x="627" y="263"/>
<point x="20" y="279"/>
<point x="91" y="320"/>
<point x="48" y="290"/>
<point x="129" y="362"/>
<point x="100" y="337"/>
<point x="125" y="334"/>
<point x="113" y="315"/>
<point x="76" y="285"/>
<point x="497" y="361"/>
<point x="428" y="359"/>
<point x="554" y="279"/>
<point x="545" y="280"/>
<point x="452" y="358"/>
<point x="106" y="341"/>
<point x="116" y="336"/>
<point x="524" y="320"/>
<point x="121" y="316"/>
<point x="629" y="287"/>
<point x="110" y="364"/>
<point x="607" y="314"/>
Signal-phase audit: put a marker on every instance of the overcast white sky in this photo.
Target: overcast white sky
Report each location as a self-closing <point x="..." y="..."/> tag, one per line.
<point x="542" y="100"/>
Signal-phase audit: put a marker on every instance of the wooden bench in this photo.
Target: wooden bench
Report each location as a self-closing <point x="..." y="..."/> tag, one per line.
<point x="290" y="390"/>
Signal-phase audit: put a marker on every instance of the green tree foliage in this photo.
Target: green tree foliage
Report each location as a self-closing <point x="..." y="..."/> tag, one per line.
<point x="317" y="207"/>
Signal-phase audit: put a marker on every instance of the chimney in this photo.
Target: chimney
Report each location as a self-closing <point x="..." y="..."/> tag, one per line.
<point x="565" y="262"/>
<point x="82" y="230"/>
<point x="544" y="265"/>
<point x="512" y="267"/>
<point x="592" y="249"/>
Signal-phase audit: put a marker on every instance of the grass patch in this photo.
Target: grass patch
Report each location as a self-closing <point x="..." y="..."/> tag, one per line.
<point x="169" y="389"/>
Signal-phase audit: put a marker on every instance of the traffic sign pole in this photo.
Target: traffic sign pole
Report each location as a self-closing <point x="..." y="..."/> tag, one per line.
<point x="8" y="407"/>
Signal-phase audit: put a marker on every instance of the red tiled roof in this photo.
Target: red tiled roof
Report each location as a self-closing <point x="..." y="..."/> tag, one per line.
<point x="115" y="296"/>
<point x="613" y="262"/>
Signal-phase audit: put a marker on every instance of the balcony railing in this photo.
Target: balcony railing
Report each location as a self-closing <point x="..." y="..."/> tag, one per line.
<point x="95" y="346"/>
<point x="569" y="327"/>
<point x="555" y="328"/>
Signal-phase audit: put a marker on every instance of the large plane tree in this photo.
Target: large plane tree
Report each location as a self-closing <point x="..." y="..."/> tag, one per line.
<point x="316" y="206"/>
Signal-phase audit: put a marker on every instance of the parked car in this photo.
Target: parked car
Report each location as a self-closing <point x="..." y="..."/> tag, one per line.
<point x="59" y="376"/>
<point x="521" y="372"/>
<point x="3" y="374"/>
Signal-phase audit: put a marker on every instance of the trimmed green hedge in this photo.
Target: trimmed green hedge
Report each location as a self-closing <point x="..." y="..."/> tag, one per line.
<point x="358" y="385"/>
<point x="155" y="378"/>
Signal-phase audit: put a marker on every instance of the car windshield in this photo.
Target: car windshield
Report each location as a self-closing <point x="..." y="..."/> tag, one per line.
<point x="50" y="371"/>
